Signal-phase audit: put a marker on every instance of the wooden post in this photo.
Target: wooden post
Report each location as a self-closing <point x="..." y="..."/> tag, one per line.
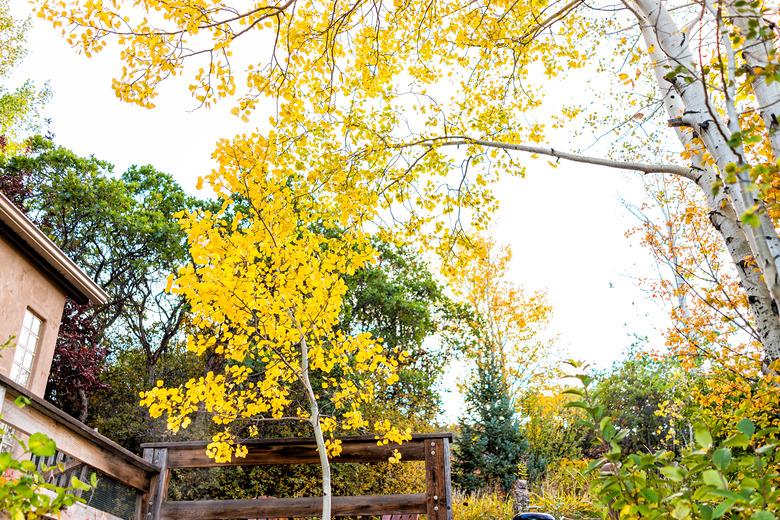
<point x="158" y="491"/>
<point x="437" y="474"/>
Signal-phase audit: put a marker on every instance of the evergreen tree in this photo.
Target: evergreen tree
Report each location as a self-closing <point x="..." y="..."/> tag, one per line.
<point x="490" y="445"/>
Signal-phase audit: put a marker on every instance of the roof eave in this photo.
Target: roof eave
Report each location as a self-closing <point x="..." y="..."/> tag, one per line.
<point x="77" y="279"/>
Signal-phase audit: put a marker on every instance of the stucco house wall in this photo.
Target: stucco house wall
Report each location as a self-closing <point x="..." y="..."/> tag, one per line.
<point x="36" y="275"/>
<point x="23" y="286"/>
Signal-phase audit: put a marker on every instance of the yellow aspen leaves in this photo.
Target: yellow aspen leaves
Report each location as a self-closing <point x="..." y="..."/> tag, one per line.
<point x="508" y="319"/>
<point x="267" y="281"/>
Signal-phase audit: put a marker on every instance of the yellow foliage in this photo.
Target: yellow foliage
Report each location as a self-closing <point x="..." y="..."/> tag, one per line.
<point x="265" y="288"/>
<point x="565" y="492"/>
<point x="508" y="319"/>
<point x="483" y="505"/>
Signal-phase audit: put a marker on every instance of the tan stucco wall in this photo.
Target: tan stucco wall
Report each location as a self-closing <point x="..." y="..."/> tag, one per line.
<point x="22" y="285"/>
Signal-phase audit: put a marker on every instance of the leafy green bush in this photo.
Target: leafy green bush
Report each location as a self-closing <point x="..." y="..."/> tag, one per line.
<point x="24" y="492"/>
<point x="735" y="477"/>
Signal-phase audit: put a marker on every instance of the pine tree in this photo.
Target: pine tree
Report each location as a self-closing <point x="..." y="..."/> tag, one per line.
<point x="490" y="445"/>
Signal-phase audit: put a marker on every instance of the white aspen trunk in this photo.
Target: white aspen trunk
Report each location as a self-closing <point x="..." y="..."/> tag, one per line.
<point x="756" y="52"/>
<point x="722" y="215"/>
<point x="698" y="113"/>
<point x="314" y="409"/>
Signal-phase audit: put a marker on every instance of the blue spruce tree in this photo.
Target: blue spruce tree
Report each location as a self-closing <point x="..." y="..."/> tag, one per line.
<point x="489" y="448"/>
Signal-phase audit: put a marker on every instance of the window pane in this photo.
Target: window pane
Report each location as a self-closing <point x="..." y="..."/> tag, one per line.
<point x="26" y="348"/>
<point x="23" y="377"/>
<point x="24" y="337"/>
<point x="35" y="326"/>
<point x="28" y="317"/>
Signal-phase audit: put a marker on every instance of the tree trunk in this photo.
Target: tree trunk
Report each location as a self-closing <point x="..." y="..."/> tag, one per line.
<point x="314" y="409"/>
<point x="698" y="114"/>
<point x="723" y="216"/>
<point x="83" y="405"/>
<point x="756" y="52"/>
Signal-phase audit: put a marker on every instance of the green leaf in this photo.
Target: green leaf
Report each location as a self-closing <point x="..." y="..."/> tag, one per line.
<point x="5" y="461"/>
<point x="763" y="515"/>
<point x="681" y="511"/>
<point x="739" y="440"/>
<point x="77" y="484"/>
<point x="723" y="508"/>
<point x="93" y="480"/>
<point x="673" y="473"/>
<point x="594" y="464"/>
<point x="750" y="217"/>
<point x="21" y="401"/>
<point x="713" y="478"/>
<point x="585" y="379"/>
<point x="722" y="458"/>
<point x="650" y="494"/>
<point x="702" y="436"/>
<point x="41" y="445"/>
<point x="746" y="426"/>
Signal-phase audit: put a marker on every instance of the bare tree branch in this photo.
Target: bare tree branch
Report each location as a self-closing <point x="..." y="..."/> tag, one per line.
<point x="682" y="171"/>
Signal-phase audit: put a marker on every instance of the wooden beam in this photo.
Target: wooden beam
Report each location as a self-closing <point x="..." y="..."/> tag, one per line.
<point x="159" y="489"/>
<point x="292" y="507"/>
<point x="74" y="438"/>
<point x="302" y="452"/>
<point x="280" y="441"/>
<point x="437" y="475"/>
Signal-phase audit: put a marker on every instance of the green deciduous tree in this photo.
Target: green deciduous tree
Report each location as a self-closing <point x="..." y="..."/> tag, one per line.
<point x="642" y="391"/>
<point x="121" y="230"/>
<point x="400" y="301"/>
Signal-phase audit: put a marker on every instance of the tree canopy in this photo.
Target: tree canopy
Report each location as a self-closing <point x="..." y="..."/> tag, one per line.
<point x="383" y="94"/>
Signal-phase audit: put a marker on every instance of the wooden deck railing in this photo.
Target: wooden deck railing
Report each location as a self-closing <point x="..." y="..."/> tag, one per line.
<point x="76" y="440"/>
<point x="434" y="449"/>
<point x="148" y="477"/>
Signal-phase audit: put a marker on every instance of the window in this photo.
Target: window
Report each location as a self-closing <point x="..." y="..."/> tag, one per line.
<point x="7" y="440"/>
<point x="26" y="346"/>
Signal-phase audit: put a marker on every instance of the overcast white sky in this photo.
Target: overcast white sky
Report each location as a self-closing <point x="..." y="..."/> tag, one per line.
<point x="565" y="225"/>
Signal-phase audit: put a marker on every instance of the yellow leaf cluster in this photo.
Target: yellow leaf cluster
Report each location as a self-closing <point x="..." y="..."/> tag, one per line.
<point x="265" y="289"/>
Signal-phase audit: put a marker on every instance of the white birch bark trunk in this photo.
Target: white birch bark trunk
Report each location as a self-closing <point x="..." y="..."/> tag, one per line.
<point x="756" y="52"/>
<point x="698" y="113"/>
<point x="722" y="213"/>
<point x="314" y="410"/>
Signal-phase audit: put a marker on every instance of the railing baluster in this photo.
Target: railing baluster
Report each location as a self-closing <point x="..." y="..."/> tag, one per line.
<point x="159" y="487"/>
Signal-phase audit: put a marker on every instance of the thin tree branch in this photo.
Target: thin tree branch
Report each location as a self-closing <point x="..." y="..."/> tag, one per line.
<point x="688" y="173"/>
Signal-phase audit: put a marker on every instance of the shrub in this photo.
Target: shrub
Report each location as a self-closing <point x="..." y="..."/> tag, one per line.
<point x="482" y="505"/>
<point x="566" y="491"/>
<point x="732" y="478"/>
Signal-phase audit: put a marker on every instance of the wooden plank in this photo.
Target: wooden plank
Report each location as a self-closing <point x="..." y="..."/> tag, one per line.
<point x="292" y="440"/>
<point x="159" y="489"/>
<point x="438" y="504"/>
<point x="30" y="419"/>
<point x="45" y="408"/>
<point x="303" y="452"/>
<point x="447" y="479"/>
<point x="292" y="507"/>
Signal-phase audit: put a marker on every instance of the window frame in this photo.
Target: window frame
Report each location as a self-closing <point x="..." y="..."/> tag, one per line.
<point x="25" y="353"/>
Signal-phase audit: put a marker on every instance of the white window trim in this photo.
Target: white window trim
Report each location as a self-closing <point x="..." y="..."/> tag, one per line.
<point x="25" y="355"/>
